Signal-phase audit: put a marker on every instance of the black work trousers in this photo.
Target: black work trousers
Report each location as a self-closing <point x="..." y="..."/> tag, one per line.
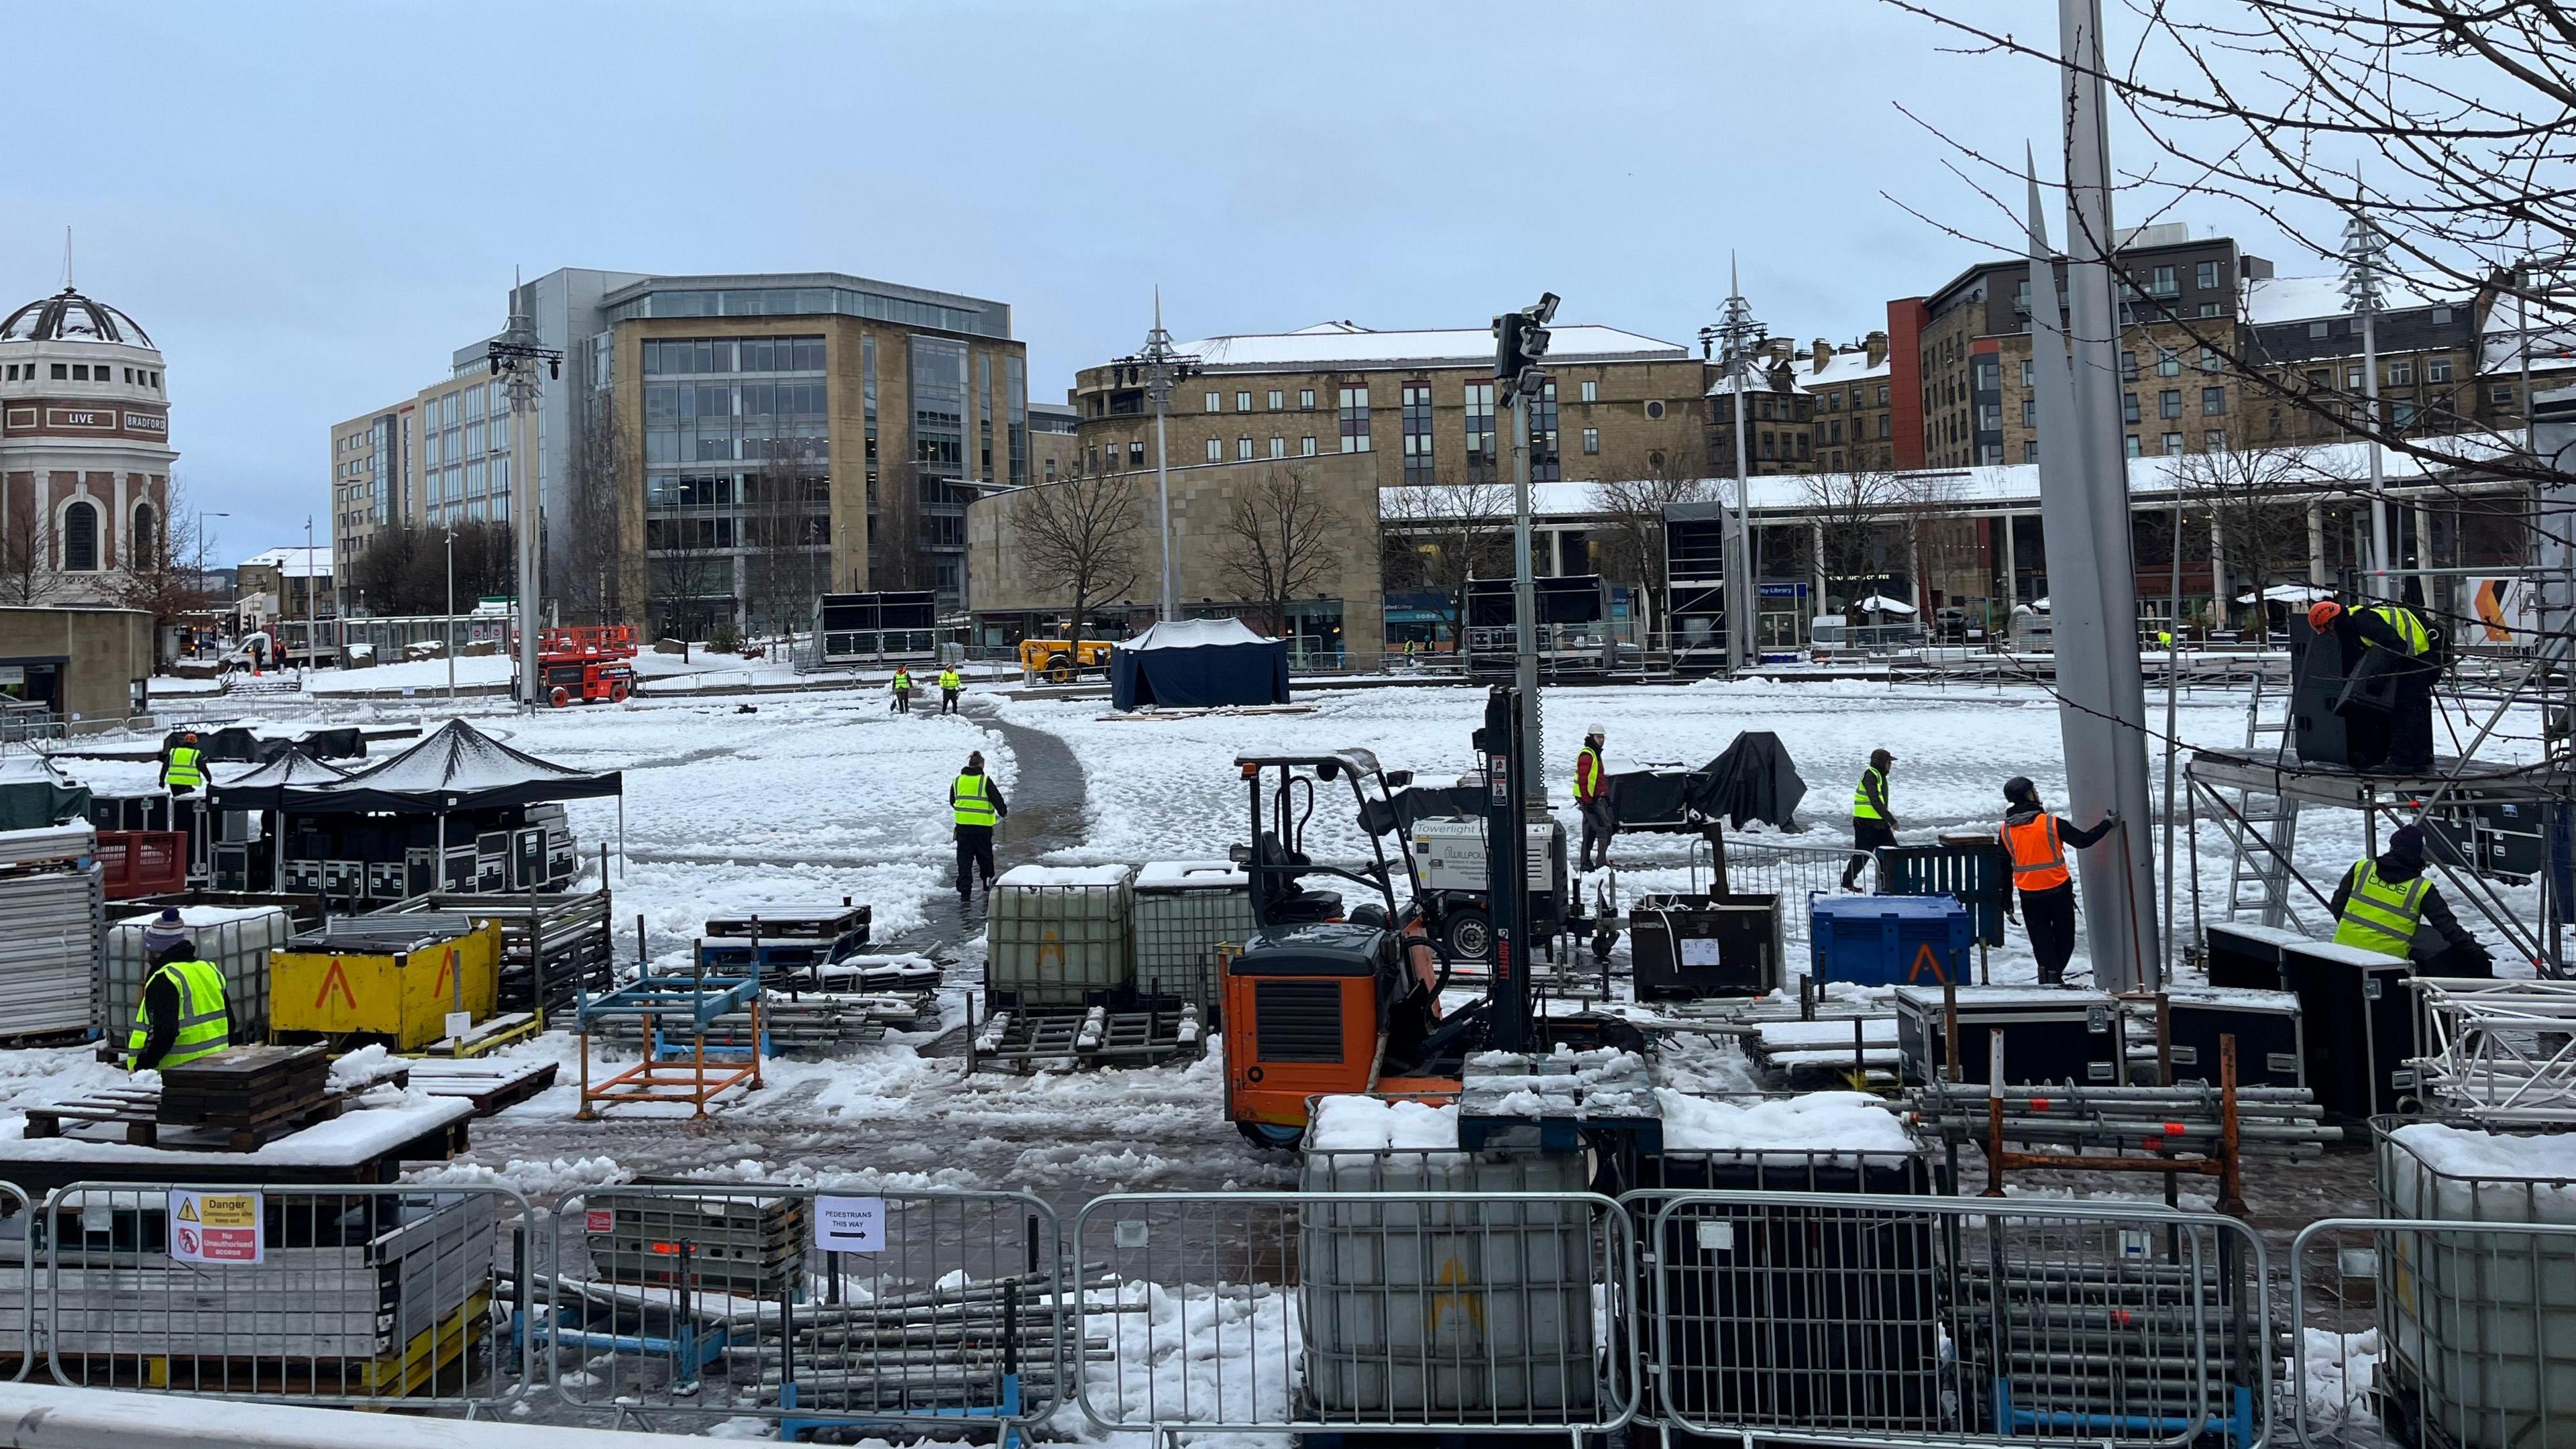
<point x="974" y="856"/>
<point x="1867" y="837"/>
<point x="2049" y="916"/>
<point x="1599" y="824"/>
<point x="948" y="701"/>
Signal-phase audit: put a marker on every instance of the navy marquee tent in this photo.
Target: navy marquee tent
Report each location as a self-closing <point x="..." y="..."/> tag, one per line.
<point x="1198" y="664"/>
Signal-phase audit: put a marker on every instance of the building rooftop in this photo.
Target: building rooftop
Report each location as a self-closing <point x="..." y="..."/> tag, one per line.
<point x="798" y="294"/>
<point x="297" y="562"/>
<point x="1347" y="344"/>
<point x="67" y="316"/>
<point x="2305" y="299"/>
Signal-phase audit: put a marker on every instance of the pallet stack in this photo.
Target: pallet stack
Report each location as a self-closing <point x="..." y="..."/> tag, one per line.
<point x="255" y="1093"/>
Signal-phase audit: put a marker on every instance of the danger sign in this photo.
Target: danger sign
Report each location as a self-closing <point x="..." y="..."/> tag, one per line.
<point x="215" y="1227"/>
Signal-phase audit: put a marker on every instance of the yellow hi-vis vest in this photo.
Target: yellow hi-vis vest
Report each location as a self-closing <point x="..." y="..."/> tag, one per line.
<point x="205" y="1028"/>
<point x="184" y="769"/>
<point x="1587" y="774"/>
<point x="2409" y="626"/>
<point x="948" y="679"/>
<point x="1861" y="808"/>
<point x="903" y="679"/>
<point x="2381" y="915"/>
<point x="968" y="802"/>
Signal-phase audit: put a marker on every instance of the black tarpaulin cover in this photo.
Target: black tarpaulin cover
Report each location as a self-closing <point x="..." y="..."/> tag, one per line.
<point x="267" y="787"/>
<point x="1198" y="664"/>
<point x="1652" y="799"/>
<point x="33" y="794"/>
<point x="1754" y="779"/>
<point x="457" y="767"/>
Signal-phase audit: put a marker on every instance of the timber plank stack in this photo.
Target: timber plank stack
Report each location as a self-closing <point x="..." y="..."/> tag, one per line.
<point x="254" y="1093"/>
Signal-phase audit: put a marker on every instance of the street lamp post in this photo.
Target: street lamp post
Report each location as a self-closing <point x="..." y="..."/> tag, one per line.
<point x="1158" y="369"/>
<point x="515" y="356"/>
<point x="450" y="649"/>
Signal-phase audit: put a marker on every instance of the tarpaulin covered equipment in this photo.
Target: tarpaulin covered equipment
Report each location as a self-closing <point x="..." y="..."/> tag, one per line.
<point x="1198" y="664"/>
<point x="33" y="794"/>
<point x="1754" y="779"/>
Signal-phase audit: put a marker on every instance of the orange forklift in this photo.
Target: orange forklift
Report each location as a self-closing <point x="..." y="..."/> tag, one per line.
<point x="1327" y="1001"/>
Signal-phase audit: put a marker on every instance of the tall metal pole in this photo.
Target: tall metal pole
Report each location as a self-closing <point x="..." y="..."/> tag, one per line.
<point x="516" y="356"/>
<point x="1740" y="332"/>
<point x="450" y="650"/>
<point x="1163" y="495"/>
<point x="1158" y="369"/>
<point x="2363" y="260"/>
<point x="1525" y="606"/>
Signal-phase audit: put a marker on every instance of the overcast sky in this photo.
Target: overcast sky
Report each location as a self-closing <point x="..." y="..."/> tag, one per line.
<point x="310" y="206"/>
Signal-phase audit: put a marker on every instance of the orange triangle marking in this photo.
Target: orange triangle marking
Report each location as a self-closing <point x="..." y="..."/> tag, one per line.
<point x="336" y="977"/>
<point x="1924" y="961"/>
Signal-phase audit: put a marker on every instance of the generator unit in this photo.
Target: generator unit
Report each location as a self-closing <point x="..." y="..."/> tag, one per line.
<point x="1449" y="868"/>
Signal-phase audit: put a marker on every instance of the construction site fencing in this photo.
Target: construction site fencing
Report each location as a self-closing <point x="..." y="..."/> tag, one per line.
<point x="1313" y="1312"/>
<point x="1790" y="871"/>
<point x="1834" y="1318"/>
<point x="17" y="1288"/>
<point x="2457" y="1334"/>
<point x="366" y="1295"/>
<point x="806" y="1305"/>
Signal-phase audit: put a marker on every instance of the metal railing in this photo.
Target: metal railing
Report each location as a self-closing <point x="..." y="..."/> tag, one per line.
<point x="1837" y="1319"/>
<point x="2434" y="1333"/>
<point x="805" y="1305"/>
<point x="320" y="1295"/>
<point x="1309" y="1312"/>
<point x="1789" y="871"/>
<point x="18" y="1308"/>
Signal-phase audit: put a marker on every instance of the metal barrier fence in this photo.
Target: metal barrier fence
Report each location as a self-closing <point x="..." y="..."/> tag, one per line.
<point x="1834" y="1319"/>
<point x="807" y="1306"/>
<point x="321" y="1295"/>
<point x="2460" y="1334"/>
<point x="1789" y="870"/>
<point x="17" y="1284"/>
<point x="1499" y="1312"/>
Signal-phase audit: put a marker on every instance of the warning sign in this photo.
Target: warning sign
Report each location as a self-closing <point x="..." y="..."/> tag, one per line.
<point x="599" y="1220"/>
<point x="339" y="978"/>
<point x="215" y="1227"/>
<point x="1926" y="963"/>
<point x="849" y="1224"/>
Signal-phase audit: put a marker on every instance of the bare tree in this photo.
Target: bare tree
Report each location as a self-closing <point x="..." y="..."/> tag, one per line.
<point x="1082" y="533"/>
<point x="1941" y="536"/>
<point x="689" y="577"/>
<point x="27" y="573"/>
<point x="2255" y="501"/>
<point x="593" y="586"/>
<point x="157" y="577"/>
<point x="1434" y="537"/>
<point x="785" y="523"/>
<point x="1280" y="538"/>
<point x="894" y="542"/>
<point x="1853" y="513"/>
<point x="403" y="569"/>
<point x="1632" y="507"/>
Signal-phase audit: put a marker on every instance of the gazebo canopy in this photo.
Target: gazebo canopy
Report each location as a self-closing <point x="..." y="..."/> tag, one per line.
<point x="457" y="767"/>
<point x="267" y="788"/>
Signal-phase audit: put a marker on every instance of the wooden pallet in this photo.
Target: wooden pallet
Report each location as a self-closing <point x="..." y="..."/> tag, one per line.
<point x="490" y="1086"/>
<point x="138" y="1111"/>
<point x="247" y="1089"/>
<point x="1031" y="1040"/>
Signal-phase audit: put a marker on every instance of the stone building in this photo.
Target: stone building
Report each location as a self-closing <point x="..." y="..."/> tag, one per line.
<point x="84" y="450"/>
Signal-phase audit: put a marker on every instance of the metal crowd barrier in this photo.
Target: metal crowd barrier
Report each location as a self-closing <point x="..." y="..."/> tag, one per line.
<point x="1790" y="871"/>
<point x="319" y="1295"/>
<point x="17" y="1285"/>
<point x="2460" y="1334"/>
<point x="1279" y="1312"/>
<point x="1828" y="1318"/>
<point x="809" y="1306"/>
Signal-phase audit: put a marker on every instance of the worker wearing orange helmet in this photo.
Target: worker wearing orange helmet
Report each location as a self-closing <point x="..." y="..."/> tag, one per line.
<point x="183" y="764"/>
<point x="2377" y="639"/>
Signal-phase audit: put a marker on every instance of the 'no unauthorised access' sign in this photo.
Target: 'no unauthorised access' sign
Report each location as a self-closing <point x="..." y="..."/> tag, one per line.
<point x="215" y="1227"/>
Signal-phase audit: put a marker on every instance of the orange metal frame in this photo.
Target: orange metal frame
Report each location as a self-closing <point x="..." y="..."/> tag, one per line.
<point x="692" y="1083"/>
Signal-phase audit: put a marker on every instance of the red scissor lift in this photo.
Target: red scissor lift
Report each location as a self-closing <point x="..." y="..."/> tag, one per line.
<point x="587" y="665"/>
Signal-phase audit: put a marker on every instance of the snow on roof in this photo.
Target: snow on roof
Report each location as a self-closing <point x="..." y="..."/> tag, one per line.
<point x="1843" y="368"/>
<point x="297" y="562"/>
<point x="1428" y="503"/>
<point x="2019" y="482"/>
<point x="1194" y="634"/>
<point x="2550" y="325"/>
<point x="1328" y="344"/>
<point x="2302" y="299"/>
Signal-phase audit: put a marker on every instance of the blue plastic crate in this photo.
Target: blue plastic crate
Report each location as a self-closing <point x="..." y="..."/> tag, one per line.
<point x="1888" y="940"/>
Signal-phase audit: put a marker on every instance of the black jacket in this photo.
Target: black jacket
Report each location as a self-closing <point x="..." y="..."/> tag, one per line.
<point x="2440" y="939"/>
<point x="161" y="1012"/>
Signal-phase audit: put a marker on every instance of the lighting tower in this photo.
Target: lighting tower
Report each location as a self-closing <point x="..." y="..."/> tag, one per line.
<point x="1158" y="369"/>
<point x="2365" y="272"/>
<point x="1520" y="378"/>
<point x="515" y="357"/>
<point x="1741" y="336"/>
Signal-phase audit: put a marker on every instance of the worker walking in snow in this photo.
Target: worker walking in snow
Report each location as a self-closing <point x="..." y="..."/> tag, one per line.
<point x="1592" y="797"/>
<point x="2037" y="842"/>
<point x="976" y="804"/>
<point x="902" y="690"/>
<point x="949" y="684"/>
<point x="2389" y="905"/>
<point x="183" y="765"/>
<point x="1873" y="823"/>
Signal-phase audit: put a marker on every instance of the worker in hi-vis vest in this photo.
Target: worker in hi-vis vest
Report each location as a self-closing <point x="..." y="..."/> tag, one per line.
<point x="1873" y="823"/>
<point x="1592" y="797"/>
<point x="182" y="1016"/>
<point x="2389" y="905"/>
<point x="949" y="684"/>
<point x="183" y="765"/>
<point x="976" y="805"/>
<point x="902" y="690"/>
<point x="2037" y="841"/>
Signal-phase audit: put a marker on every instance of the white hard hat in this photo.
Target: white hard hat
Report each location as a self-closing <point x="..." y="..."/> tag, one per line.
<point x="1592" y="731"/>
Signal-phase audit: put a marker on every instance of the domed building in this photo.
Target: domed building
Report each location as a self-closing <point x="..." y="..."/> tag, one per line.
<point x="84" y="450"/>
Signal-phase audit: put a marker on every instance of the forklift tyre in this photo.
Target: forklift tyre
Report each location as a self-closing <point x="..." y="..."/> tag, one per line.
<point x="1467" y="934"/>
<point x="1271" y="1136"/>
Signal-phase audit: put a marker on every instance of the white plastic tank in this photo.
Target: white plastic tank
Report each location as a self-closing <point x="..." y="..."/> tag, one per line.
<point x="237" y="939"/>
<point x="1186" y="911"/>
<point x="1058" y="935"/>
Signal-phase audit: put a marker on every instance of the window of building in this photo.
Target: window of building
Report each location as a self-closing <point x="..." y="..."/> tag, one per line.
<point x="1243" y="449"/>
<point x="2206" y="274"/>
<point x="60" y="372"/>
<point x="1243" y="402"/>
<point x="1479" y="399"/>
<point x="80" y="538"/>
<point x="1416" y="421"/>
<point x="1355" y="419"/>
<point x="2352" y="378"/>
<point x="2173" y="444"/>
<point x="2212" y="309"/>
<point x="2502" y="394"/>
<point x="1215" y="402"/>
<point x="2209" y="360"/>
<point x="1216" y="451"/>
<point x="1592" y="440"/>
<point x="1882" y="393"/>
<point x="1833" y="402"/>
<point x="2320" y="329"/>
<point x="1306" y="446"/>
<point x="1770" y="444"/>
<point x="2169" y="403"/>
<point x="1544" y="465"/>
<point x="2130" y="446"/>
<point x="1990" y="417"/>
<point x="2401" y="415"/>
<point x="2401" y="373"/>
<point x="1275" y="396"/>
<point x="2437" y="369"/>
<point x="1306" y="399"/>
<point x="2168" y="362"/>
<point x="2441" y="314"/>
<point x="2030" y="450"/>
<point x="2213" y="402"/>
<point x="2029" y="373"/>
<point x="1050" y="470"/>
<point x="1136" y="454"/>
<point x="2160" y="282"/>
<point x="1279" y="447"/>
<point x="2030" y="412"/>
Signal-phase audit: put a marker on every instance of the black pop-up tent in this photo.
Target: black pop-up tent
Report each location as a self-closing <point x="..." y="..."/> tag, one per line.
<point x="456" y="767"/>
<point x="1198" y="664"/>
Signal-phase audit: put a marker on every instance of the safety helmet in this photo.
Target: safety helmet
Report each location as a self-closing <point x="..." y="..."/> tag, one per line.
<point x="1595" y="732"/>
<point x="2323" y="613"/>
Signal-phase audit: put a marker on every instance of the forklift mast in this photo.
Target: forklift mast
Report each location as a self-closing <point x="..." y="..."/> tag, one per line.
<point x="1501" y="746"/>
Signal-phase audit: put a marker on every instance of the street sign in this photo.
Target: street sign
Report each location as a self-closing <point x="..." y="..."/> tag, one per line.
<point x="215" y="1227"/>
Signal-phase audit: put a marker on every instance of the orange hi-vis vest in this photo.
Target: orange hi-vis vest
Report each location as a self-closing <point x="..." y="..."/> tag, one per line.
<point x="2038" y="856"/>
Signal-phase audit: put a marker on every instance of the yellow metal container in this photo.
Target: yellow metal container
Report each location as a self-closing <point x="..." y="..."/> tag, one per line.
<point x="400" y="1000"/>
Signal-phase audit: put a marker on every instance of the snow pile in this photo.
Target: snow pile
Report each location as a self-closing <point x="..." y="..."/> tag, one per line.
<point x="541" y="1183"/>
<point x="2441" y="1172"/>
<point x="1164" y="875"/>
<point x="1373" y="1124"/>
<point x="1063" y="875"/>
<point x="1841" y="1123"/>
<point x="358" y="1068"/>
<point x="1207" y="1353"/>
<point x="2336" y="1372"/>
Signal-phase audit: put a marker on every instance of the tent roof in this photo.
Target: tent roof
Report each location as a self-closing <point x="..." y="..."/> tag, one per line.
<point x="457" y="767"/>
<point x="1194" y="634"/>
<point x="267" y="786"/>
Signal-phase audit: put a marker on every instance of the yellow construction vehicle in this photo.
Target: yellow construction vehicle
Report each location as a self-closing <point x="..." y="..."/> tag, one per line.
<point x="1059" y="660"/>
